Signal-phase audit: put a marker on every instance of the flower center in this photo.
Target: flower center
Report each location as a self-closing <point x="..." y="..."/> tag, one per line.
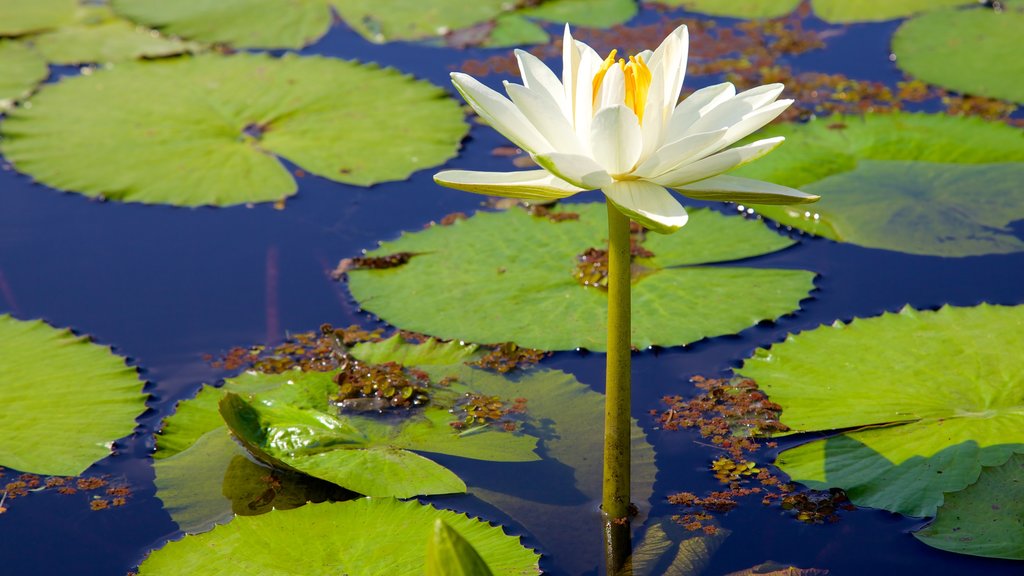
<point x="638" y="81"/>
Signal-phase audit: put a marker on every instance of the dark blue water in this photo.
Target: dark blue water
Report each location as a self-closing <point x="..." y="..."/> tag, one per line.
<point x="166" y="285"/>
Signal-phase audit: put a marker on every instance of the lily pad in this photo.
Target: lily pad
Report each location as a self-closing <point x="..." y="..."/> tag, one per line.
<point x="359" y="537"/>
<point x="21" y="17"/>
<point x="668" y="549"/>
<point x="967" y="51"/>
<point x="931" y="398"/>
<point x="449" y="554"/>
<point x="509" y="276"/>
<point x="918" y="183"/>
<point x="205" y="129"/>
<point x="63" y="399"/>
<point x="23" y="70"/>
<point x="983" y="519"/>
<point x="525" y="26"/>
<point x="97" y="35"/>
<point x="835" y="11"/>
<point x="289" y="24"/>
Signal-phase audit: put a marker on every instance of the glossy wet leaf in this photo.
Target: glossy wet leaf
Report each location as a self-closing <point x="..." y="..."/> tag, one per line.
<point x="63" y="399"/>
<point x="23" y="69"/>
<point x="983" y="519"/>
<point x="969" y="51"/>
<point x="23" y="17"/>
<point x="836" y="11"/>
<point x="917" y="183"/>
<point x="97" y="35"/>
<point x="360" y="538"/>
<point x="289" y="24"/>
<point x="931" y="398"/>
<point x="428" y="353"/>
<point x="449" y="554"/>
<point x="509" y="276"/>
<point x="668" y="549"/>
<point x="207" y="129"/>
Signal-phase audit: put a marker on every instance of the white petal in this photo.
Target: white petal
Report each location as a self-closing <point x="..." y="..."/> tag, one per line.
<point x="577" y="170"/>
<point x="590" y="62"/>
<point x="696" y="105"/>
<point x="570" y="68"/>
<point x="730" y="112"/>
<point x="529" y="184"/>
<point x="753" y="122"/>
<point x="538" y="77"/>
<point x="675" y="154"/>
<point x="717" y="164"/>
<point x="613" y="88"/>
<point x="648" y="204"/>
<point x="544" y="114"/>
<point x="616" y="139"/>
<point x="744" y="190"/>
<point x="646" y="56"/>
<point x="500" y="113"/>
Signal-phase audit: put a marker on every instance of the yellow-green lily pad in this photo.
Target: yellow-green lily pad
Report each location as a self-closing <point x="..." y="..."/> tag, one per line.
<point x="930" y="398"/>
<point x="63" y="400"/>
<point x="361" y="538"/>
<point x="972" y="51"/>
<point x="835" y="11"/>
<point x="23" y="17"/>
<point x="23" y="70"/>
<point x="917" y="183"/>
<point x="208" y="130"/>
<point x="509" y="276"/>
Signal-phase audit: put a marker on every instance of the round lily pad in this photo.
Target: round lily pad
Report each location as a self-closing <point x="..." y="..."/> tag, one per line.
<point x="205" y="130"/>
<point x="983" y="519"/>
<point x="63" y="399"/>
<point x="835" y="11"/>
<point x="23" y="69"/>
<point x="918" y="183"/>
<point x="22" y="17"/>
<point x="931" y="398"/>
<point x="735" y="8"/>
<point x="970" y="51"/>
<point x="509" y="276"/>
<point x="289" y="24"/>
<point x="361" y="538"/>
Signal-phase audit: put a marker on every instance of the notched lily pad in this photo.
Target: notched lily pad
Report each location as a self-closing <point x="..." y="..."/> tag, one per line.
<point x="205" y="130"/>
<point x="23" y="70"/>
<point x="918" y="183"/>
<point x="932" y="397"/>
<point x="360" y="537"/>
<point x="835" y="11"/>
<point x="63" y="399"/>
<point x="983" y="519"/>
<point x="510" y="276"/>
<point x="967" y="51"/>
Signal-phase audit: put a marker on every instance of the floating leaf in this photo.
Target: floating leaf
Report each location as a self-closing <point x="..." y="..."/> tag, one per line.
<point x="969" y="51"/>
<point x="917" y="183"/>
<point x="63" y="400"/>
<point x="97" y="35"/>
<point x="932" y="397"/>
<point x="449" y="554"/>
<point x="23" y="69"/>
<point x="509" y="276"/>
<point x="983" y="519"/>
<point x="428" y="353"/>
<point x="360" y="537"/>
<point x="22" y="17"/>
<point x="204" y="130"/>
<point x="836" y="11"/>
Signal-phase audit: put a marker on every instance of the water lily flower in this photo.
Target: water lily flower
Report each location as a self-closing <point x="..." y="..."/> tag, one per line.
<point x="615" y="125"/>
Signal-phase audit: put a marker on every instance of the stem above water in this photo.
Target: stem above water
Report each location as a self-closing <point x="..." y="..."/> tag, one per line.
<point x="615" y="494"/>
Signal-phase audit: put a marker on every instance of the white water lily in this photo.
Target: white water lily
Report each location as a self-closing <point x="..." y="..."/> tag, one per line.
<point x="615" y="126"/>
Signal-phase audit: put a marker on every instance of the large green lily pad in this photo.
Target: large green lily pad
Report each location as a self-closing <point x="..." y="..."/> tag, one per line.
<point x="23" y="69"/>
<point x="290" y="24"/>
<point x="968" y="51"/>
<point x="23" y="17"/>
<point x="509" y="276"/>
<point x="206" y="129"/>
<point x="362" y="538"/>
<point x="835" y="11"/>
<point x="983" y="519"/>
<point x="63" y="399"/>
<point x="917" y="183"/>
<point x="931" y="397"/>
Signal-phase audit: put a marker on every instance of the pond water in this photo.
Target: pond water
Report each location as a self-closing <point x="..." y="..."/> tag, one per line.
<point x="164" y="286"/>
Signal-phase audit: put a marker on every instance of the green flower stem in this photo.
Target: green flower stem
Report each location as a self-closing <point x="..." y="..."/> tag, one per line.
<point x="615" y="496"/>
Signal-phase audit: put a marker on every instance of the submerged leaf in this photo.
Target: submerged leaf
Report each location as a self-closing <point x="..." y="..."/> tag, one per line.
<point x="63" y="399"/>
<point x="917" y="183"/>
<point x="667" y="549"/>
<point x="931" y="398"/>
<point x="360" y="538"/>
<point x="206" y="129"/>
<point x="509" y="276"/>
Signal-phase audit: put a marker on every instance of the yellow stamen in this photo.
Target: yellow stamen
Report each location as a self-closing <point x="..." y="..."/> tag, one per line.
<point x="637" y="79"/>
<point x="599" y="77"/>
